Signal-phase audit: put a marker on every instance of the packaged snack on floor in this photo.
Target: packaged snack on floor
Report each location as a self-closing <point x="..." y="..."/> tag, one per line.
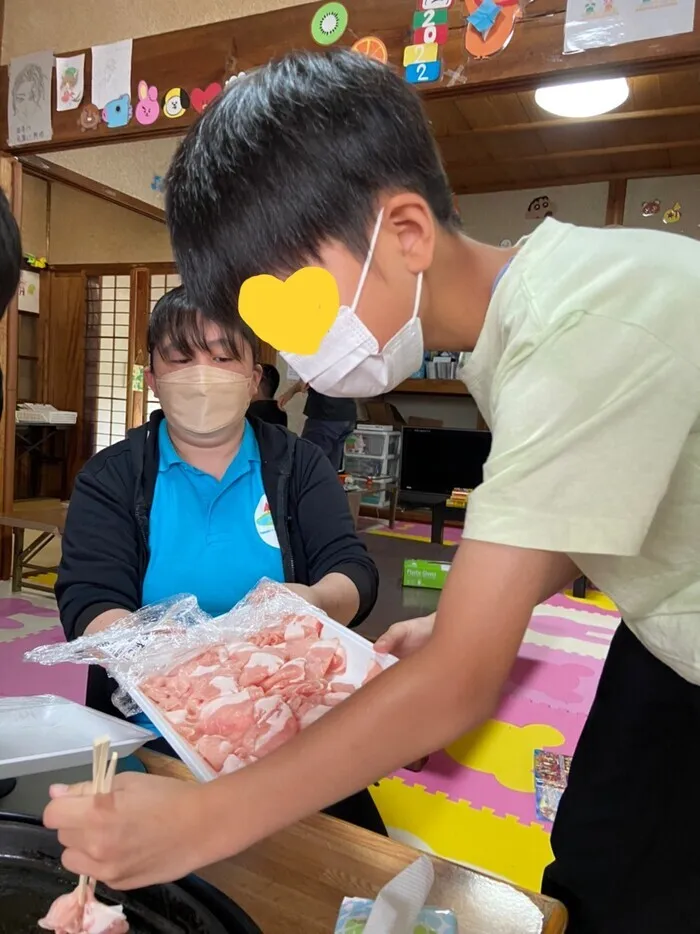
<point x="224" y="692"/>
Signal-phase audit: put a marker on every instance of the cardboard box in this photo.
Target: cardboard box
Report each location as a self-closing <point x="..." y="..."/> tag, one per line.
<point x="430" y="574"/>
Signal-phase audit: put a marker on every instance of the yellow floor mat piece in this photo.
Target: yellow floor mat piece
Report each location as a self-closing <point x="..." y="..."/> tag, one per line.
<point x="505" y="751"/>
<point x="47" y="580"/>
<point x="456" y="831"/>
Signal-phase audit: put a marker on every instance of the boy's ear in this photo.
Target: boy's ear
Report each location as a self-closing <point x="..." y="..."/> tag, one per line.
<point x="150" y="380"/>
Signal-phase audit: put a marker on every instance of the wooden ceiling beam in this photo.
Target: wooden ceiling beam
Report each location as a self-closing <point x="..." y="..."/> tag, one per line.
<point x="50" y="172"/>
<point x="690" y="110"/>
<point x="565" y="154"/>
<point x="469" y="187"/>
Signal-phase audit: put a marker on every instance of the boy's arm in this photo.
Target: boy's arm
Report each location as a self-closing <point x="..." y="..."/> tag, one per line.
<point x="421" y="704"/>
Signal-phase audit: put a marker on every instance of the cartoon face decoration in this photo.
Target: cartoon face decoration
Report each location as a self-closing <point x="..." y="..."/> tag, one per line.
<point x="539" y="208"/>
<point x="650" y="208"/>
<point x="89" y="118"/>
<point x="673" y="215"/>
<point x="176" y="103"/>
<point x="118" y="113"/>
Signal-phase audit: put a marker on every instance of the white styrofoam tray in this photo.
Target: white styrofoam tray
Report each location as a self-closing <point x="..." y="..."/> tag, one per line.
<point x="360" y="652"/>
<point x="43" y="733"/>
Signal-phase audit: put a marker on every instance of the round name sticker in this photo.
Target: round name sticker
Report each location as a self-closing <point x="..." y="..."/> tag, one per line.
<point x="264" y="525"/>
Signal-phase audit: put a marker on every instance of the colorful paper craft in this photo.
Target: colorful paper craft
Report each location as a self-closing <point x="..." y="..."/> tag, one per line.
<point x="484" y="16"/>
<point x="413" y="54"/>
<point x="438" y="34"/>
<point x="423" y="72"/>
<point x="429" y="18"/>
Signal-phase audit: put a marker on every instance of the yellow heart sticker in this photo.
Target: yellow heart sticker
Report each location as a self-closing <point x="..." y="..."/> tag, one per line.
<point x="292" y="316"/>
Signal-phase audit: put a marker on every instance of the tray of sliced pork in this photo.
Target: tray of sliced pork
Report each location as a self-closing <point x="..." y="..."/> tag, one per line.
<point x="31" y="879"/>
<point x="225" y="692"/>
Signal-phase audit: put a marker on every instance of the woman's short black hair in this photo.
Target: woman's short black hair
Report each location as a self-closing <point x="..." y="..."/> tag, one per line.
<point x="10" y="253"/>
<point x="291" y="156"/>
<point x="176" y="322"/>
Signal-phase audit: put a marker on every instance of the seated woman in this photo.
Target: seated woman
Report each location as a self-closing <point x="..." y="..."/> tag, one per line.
<point x="183" y="505"/>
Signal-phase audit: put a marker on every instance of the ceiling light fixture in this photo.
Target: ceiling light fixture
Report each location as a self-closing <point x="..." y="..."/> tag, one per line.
<point x="583" y="98"/>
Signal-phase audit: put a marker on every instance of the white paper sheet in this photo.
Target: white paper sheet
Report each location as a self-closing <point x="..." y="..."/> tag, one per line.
<point x="29" y="99"/>
<point x="111" y="72"/>
<point x="591" y="24"/>
<point x="70" y="82"/>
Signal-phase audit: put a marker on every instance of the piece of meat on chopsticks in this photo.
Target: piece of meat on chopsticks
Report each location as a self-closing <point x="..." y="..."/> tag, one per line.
<point x="68" y="916"/>
<point x="79" y="912"/>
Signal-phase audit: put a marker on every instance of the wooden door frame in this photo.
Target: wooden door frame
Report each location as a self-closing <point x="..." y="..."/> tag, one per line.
<point x="11" y="182"/>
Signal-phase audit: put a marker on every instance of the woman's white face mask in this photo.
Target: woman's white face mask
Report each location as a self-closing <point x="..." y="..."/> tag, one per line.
<point x="349" y="361"/>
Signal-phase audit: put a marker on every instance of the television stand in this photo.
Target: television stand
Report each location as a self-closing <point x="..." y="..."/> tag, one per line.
<point x="439" y="511"/>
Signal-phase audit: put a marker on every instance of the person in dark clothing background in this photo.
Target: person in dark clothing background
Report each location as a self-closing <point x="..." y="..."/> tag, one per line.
<point x="264" y="405"/>
<point x="328" y="421"/>
<point x="10" y="263"/>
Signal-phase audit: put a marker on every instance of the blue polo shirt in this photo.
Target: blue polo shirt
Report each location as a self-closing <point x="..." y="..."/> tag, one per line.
<point x="211" y="538"/>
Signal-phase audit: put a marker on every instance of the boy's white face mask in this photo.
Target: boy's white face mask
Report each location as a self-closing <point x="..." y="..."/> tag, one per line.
<point x="349" y="361"/>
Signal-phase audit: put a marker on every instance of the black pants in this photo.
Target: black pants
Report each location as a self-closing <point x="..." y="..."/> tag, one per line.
<point x="358" y="809"/>
<point x="329" y="436"/>
<point x="626" y="839"/>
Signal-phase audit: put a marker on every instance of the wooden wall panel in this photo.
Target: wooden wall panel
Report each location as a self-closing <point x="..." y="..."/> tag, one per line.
<point x="65" y="357"/>
<point x="195" y="57"/>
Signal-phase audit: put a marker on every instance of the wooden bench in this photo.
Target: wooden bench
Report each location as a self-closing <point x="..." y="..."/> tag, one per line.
<point x="49" y="522"/>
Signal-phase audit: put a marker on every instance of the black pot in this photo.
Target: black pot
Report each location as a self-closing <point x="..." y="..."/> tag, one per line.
<point x="31" y="877"/>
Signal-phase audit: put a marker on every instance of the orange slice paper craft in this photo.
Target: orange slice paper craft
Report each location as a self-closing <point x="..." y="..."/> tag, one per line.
<point x="372" y="47"/>
<point x="498" y="36"/>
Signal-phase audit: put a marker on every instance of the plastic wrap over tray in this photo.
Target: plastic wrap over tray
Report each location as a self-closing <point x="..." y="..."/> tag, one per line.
<point x="226" y="691"/>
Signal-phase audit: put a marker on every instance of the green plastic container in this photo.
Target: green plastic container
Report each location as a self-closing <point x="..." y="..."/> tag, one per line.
<point x="430" y="574"/>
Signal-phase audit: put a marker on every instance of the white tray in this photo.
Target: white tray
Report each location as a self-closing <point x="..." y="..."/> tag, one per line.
<point x="43" y="733"/>
<point x="359" y="652"/>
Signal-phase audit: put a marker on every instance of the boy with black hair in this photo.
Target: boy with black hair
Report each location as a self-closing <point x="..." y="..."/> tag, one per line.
<point x="585" y="364"/>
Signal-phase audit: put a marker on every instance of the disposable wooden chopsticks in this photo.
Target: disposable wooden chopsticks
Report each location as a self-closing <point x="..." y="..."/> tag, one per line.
<point x="102" y="777"/>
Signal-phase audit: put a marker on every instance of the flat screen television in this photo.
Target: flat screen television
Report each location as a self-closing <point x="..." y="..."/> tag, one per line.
<point x="440" y="460"/>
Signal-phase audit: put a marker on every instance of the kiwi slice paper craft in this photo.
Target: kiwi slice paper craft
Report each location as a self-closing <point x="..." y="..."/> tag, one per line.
<point x="329" y="23"/>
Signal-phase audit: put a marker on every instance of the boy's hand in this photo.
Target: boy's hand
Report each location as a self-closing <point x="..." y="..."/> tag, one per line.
<point x="148" y="830"/>
<point x="407" y="637"/>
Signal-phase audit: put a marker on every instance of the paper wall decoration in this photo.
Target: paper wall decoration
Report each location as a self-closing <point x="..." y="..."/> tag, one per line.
<point x="673" y="215"/>
<point x="147" y="106"/>
<point x="650" y="208"/>
<point x="111" y="72"/>
<point x="176" y="103"/>
<point x="201" y="99"/>
<point x="70" y="82"/>
<point x="28" y="292"/>
<point x="29" y="99"/>
<point x="329" y="23"/>
<point x="89" y="118"/>
<point x="423" y="59"/>
<point x="540" y="207"/>
<point x="592" y="24"/>
<point x="372" y="47"/>
<point x="482" y="44"/>
<point x="117" y="113"/>
<point x="434" y="4"/>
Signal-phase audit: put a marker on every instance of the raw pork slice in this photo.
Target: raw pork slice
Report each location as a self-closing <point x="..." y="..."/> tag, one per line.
<point x="67" y="916"/>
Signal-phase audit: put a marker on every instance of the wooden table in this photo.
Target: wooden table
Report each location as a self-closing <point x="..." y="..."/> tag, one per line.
<point x="49" y="522"/>
<point x="294" y="881"/>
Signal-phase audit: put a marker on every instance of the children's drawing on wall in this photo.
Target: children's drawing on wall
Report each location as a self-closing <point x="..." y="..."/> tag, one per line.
<point x="111" y="72"/>
<point x="592" y="24"/>
<point x="29" y="99"/>
<point x="540" y="207"/>
<point x="70" y="82"/>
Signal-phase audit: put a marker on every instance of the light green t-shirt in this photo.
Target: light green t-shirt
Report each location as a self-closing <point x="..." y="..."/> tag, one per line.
<point x="588" y="373"/>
